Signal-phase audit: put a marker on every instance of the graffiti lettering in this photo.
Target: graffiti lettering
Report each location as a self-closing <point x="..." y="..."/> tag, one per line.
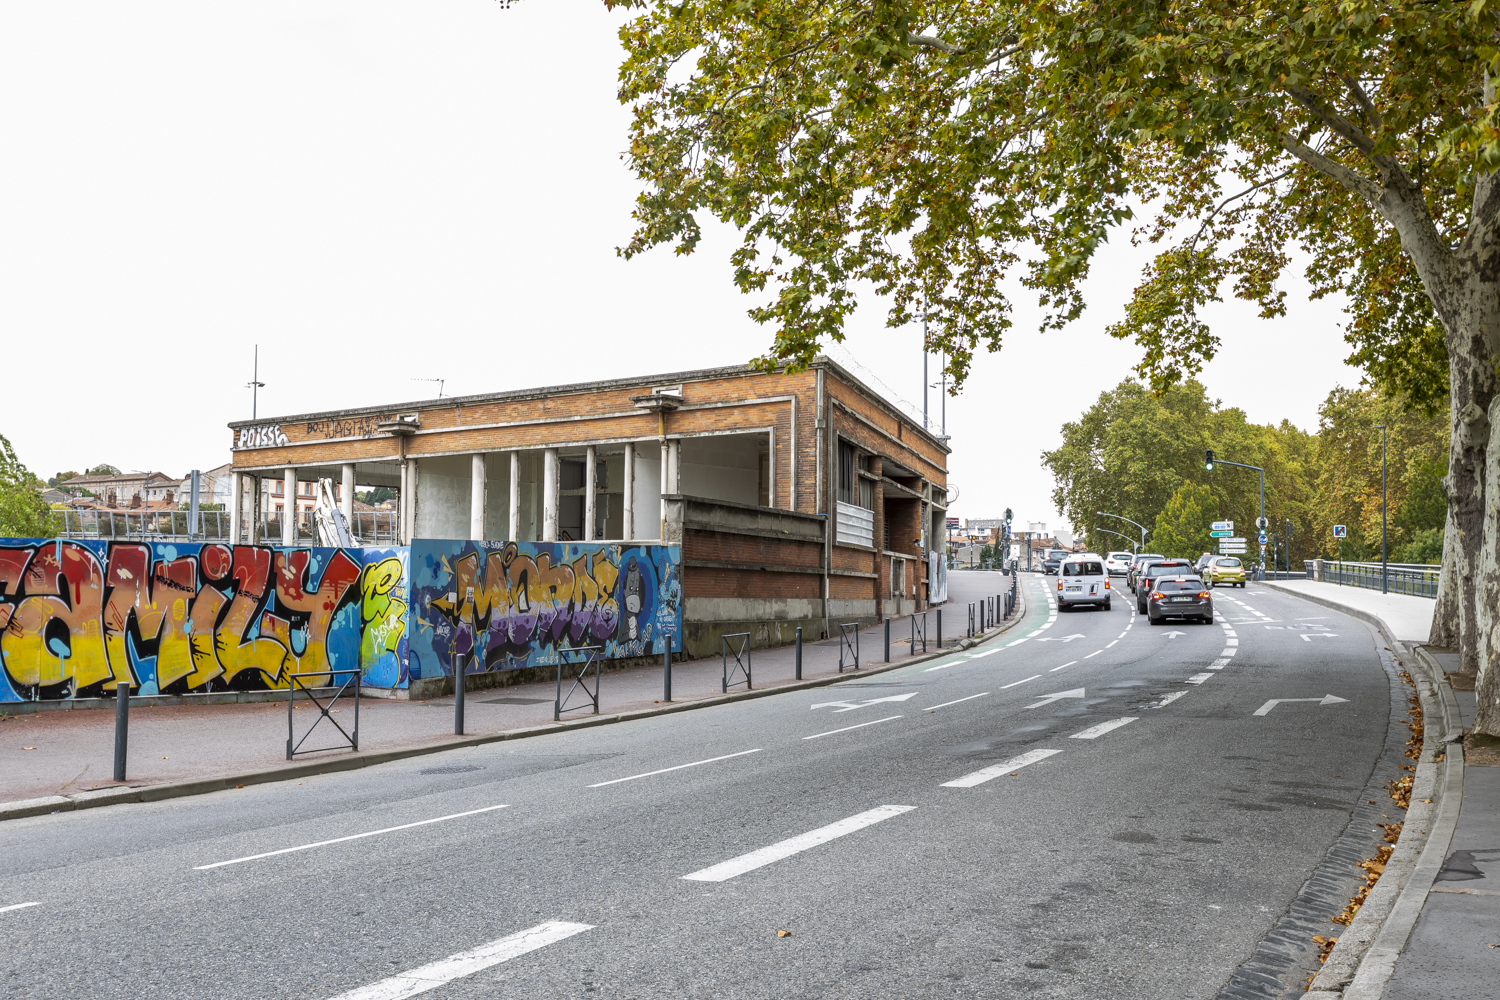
<point x="264" y="436"/>
<point x="360" y="427"/>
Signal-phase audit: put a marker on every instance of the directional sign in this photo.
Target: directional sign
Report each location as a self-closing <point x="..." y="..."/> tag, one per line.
<point x="1231" y="550"/>
<point x="1222" y="533"/>
<point x="1062" y="638"/>
<point x="1240" y="541"/>
<point x="1223" y="525"/>
<point x="1049" y="699"/>
<point x="1340" y="531"/>
<point x="1327" y="699"/>
<point x="1174" y="634"/>
<point x="849" y="706"/>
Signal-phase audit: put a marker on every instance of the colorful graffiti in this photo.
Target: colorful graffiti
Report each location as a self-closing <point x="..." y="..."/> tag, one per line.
<point x="78" y="618"/>
<point x="508" y="604"/>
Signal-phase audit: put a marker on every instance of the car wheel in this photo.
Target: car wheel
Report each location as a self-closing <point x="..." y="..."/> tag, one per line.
<point x="1106" y="605"/>
<point x="1155" y="621"/>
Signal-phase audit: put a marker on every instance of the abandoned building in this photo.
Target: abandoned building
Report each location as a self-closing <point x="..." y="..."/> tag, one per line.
<point x="743" y="469"/>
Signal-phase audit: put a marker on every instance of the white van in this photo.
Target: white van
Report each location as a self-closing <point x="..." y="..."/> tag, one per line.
<point x="1082" y="580"/>
<point x="1117" y="563"/>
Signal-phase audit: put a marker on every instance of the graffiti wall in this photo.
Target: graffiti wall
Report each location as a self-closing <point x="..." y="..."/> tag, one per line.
<point x="79" y="617"/>
<point x="509" y="604"/>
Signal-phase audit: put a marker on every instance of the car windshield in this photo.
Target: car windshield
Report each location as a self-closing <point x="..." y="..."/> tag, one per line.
<point x="1174" y="586"/>
<point x="1229" y="562"/>
<point x="1147" y="557"/>
<point x="1082" y="569"/>
<point x="1120" y="556"/>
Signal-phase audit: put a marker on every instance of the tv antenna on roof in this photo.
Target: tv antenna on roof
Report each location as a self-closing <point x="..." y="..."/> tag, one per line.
<point x="439" y="381"/>
<point x="255" y="385"/>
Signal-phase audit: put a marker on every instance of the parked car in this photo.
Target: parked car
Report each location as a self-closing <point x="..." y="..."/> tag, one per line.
<point x="1082" y="580"/>
<point x="1226" y="569"/>
<point x="1150" y="571"/>
<point x="1054" y="559"/>
<point x="1117" y="563"/>
<point x="1185" y="597"/>
<point x="1137" y="562"/>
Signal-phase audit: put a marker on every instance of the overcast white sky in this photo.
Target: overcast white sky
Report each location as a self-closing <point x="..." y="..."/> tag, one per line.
<point x="376" y="192"/>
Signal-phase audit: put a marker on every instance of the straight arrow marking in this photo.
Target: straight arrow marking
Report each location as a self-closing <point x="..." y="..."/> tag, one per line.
<point x="1049" y="699"/>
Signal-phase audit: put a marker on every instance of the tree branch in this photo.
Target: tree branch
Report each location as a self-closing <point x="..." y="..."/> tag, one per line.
<point x="934" y="42"/>
<point x="1372" y="114"/>
<point x="1192" y="244"/>
<point x="1357" y="183"/>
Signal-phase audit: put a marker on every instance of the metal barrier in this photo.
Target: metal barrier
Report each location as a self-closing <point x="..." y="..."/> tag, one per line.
<point x="580" y="679"/>
<point x="971" y="619"/>
<point x="366" y="528"/>
<point x="742" y="657"/>
<point x="847" y="647"/>
<point x="1405" y="578"/>
<point x="325" y="711"/>
<point x="918" y="631"/>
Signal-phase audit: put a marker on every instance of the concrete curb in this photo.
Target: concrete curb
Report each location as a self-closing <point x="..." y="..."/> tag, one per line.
<point x="1365" y="957"/>
<point x="171" y="790"/>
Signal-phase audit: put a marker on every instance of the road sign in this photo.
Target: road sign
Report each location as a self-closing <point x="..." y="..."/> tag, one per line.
<point x="1262" y="538"/>
<point x="1327" y="699"/>
<point x="1340" y="531"/>
<point x="1234" y="541"/>
<point x="1223" y="525"/>
<point x="1223" y="533"/>
<point x="1233" y="550"/>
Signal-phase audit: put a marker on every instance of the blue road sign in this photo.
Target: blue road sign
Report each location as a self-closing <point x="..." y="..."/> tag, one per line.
<point x="1340" y="531"/>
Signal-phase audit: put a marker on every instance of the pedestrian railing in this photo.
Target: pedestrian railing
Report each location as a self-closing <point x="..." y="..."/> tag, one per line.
<point x="742" y="656"/>
<point x="918" y="632"/>
<point x="351" y="738"/>
<point x="971" y="619"/>
<point x="848" y="645"/>
<point x="1414" y="579"/>
<point x="366" y="527"/>
<point x="578" y="672"/>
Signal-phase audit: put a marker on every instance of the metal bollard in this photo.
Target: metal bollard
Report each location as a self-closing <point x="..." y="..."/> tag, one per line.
<point x="939" y="628"/>
<point x="122" y="726"/>
<point x="799" y="653"/>
<point x="458" y="694"/>
<point x="666" y="671"/>
<point x="888" y="640"/>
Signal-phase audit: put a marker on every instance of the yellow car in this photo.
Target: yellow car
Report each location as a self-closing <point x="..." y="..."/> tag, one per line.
<point x="1225" y="569"/>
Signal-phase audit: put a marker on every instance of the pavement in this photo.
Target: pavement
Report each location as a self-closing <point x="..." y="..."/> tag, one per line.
<point x="1409" y="618"/>
<point x="1088" y="806"/>
<point x="69" y="755"/>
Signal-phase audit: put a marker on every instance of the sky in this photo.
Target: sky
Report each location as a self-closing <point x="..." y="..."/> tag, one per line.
<point x="381" y="193"/>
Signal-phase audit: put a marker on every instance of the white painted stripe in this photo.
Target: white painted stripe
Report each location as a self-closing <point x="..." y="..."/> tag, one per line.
<point x="1198" y="678"/>
<point x="1122" y="634"/>
<point x="1018" y="642"/>
<point x="994" y="771"/>
<point x="679" y="767"/>
<point x="1229" y="651"/>
<point x="1094" y="732"/>
<point x="1219" y="664"/>
<point x="18" y="906"/>
<point x="1056" y="669"/>
<point x="795" y="845"/>
<point x="1231" y="642"/>
<point x="466" y="963"/>
<point x="1094" y="653"/>
<point x="355" y="836"/>
<point x="862" y="725"/>
<point x="955" y="701"/>
<point x="1169" y="699"/>
<point x="1012" y="684"/>
<point x="988" y="652"/>
<point x="1111" y="644"/>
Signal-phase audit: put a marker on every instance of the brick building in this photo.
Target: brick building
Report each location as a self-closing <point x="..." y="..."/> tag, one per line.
<point x="743" y="469"/>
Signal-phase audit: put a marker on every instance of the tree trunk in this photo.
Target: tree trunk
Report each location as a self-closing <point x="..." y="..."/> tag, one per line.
<point x="1445" y="615"/>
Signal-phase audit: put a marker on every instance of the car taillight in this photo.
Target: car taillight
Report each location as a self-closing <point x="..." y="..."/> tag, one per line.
<point x="1157" y="595"/>
<point x="1204" y="595"/>
<point x="1106" y="584"/>
<point x="1059" y="583"/>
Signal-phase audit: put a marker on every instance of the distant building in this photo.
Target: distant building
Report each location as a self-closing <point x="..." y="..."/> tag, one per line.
<point x="121" y="489"/>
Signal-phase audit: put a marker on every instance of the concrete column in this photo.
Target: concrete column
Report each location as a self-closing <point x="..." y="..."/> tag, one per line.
<point x="236" y="486"/>
<point x="515" y="497"/>
<point x="549" y="495"/>
<point x="253" y="536"/>
<point x="674" y="476"/>
<point x="629" y="526"/>
<point x="408" y="501"/>
<point x="588" y="494"/>
<point x="346" y="496"/>
<point x="289" y="508"/>
<point x="476" y="497"/>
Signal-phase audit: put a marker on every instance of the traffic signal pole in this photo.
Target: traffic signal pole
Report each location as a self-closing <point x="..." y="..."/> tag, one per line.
<point x="1260" y="523"/>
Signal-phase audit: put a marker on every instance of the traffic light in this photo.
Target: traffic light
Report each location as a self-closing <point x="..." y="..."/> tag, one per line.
<point x="1208" y="460"/>
<point x="1007" y="515"/>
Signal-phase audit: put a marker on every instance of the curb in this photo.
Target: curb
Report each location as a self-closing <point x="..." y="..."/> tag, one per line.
<point x="201" y="786"/>
<point x="1364" y="959"/>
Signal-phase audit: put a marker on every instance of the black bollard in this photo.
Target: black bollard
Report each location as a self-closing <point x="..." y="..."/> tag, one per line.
<point x="799" y="653"/>
<point x="122" y="726"/>
<point x="939" y="628"/>
<point x="888" y="640"/>
<point x="666" y="671"/>
<point x="458" y="694"/>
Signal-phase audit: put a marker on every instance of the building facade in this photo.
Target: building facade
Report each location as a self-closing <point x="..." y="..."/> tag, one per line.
<point x="798" y="499"/>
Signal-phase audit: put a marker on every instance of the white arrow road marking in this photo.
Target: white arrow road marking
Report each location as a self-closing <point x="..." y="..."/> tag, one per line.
<point x="766" y="855"/>
<point x="1174" y="634"/>
<point x="995" y="770"/>
<point x="849" y="706"/>
<point x="1310" y="636"/>
<point x="1049" y="699"/>
<point x="1094" y="732"/>
<point x="1327" y="699"/>
<point x="1063" y="638"/>
<point x="18" y="906"/>
<point x="466" y="963"/>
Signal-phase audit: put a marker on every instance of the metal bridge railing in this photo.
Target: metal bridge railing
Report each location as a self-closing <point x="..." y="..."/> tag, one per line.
<point x="1405" y="578"/>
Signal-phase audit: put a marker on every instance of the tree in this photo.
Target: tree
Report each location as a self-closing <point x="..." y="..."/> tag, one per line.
<point x="1183" y="525"/>
<point x="103" y="470"/>
<point x="60" y="478"/>
<point x="378" y="495"/>
<point x="23" y="513"/>
<point x="932" y="148"/>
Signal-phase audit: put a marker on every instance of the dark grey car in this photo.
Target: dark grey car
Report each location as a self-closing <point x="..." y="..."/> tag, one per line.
<point x="1185" y="597"/>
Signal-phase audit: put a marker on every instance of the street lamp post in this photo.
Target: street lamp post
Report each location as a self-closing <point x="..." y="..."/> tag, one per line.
<point x="1261" y="523"/>
<point x="1124" y="518"/>
<point x="1133" y="543"/>
<point x="1385" y="566"/>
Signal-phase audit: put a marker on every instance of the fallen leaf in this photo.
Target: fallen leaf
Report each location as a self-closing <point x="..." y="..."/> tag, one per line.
<point x="28" y="748"/>
<point x="166" y="758"/>
<point x="789" y="934"/>
<point x="1370" y="801"/>
<point x="239" y="786"/>
<point x="1015" y="774"/>
<point x="1426" y="800"/>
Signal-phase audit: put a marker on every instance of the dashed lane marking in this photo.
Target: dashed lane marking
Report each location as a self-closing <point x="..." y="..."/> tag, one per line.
<point x="1017" y="683"/>
<point x="995" y="770"/>
<point x="862" y="725"/>
<point x="18" y="906"/>
<point x="1094" y="732"/>
<point x="1094" y="653"/>
<point x="679" y="767"/>
<point x="955" y="701"/>
<point x="1169" y="699"/>
<point x="1056" y="669"/>
<point x="726" y="870"/>
<point x="355" y="836"/>
<point x="1198" y="678"/>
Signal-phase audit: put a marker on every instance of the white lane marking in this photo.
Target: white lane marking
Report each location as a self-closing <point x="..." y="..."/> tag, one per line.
<point x="1169" y="699"/>
<point x="1231" y="642"/>
<point x="1312" y="618"/>
<point x="466" y="963"/>
<point x="862" y="725"/>
<point x="995" y="770"/>
<point x="1017" y="642"/>
<point x="1231" y="634"/>
<point x="1094" y="653"/>
<point x="955" y="701"/>
<point x="679" y="767"/>
<point x="1309" y="636"/>
<point x="1111" y="644"/>
<point x="1228" y="651"/>
<point x="766" y="855"/>
<point x="1219" y="664"/>
<point x="1198" y="678"/>
<point x="1094" y="732"/>
<point x="18" y="906"/>
<point x="1014" y="683"/>
<point x="849" y="706"/>
<point x="1327" y="699"/>
<point x="987" y="652"/>
<point x="354" y="836"/>
<point x="1056" y="669"/>
<point x="1122" y="634"/>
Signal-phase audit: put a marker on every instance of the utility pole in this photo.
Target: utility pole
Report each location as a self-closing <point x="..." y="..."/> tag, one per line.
<point x="1124" y="518"/>
<point x="255" y="385"/>
<point x="1385" y="566"/>
<point x="1261" y="524"/>
<point x="925" y="425"/>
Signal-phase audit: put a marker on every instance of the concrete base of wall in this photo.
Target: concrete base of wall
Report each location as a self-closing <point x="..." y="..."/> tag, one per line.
<point x="422" y="688"/>
<point x="703" y="639"/>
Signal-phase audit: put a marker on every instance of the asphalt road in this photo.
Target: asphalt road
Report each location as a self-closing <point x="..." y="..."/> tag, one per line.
<point x="1088" y="807"/>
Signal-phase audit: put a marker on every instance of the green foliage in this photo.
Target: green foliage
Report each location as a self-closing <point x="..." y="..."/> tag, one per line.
<point x="1426" y="546"/>
<point x="60" y="478"/>
<point x="936" y="148"/>
<point x="378" y="495"/>
<point x="23" y="513"/>
<point x="103" y="470"/>
<point x="1182" y="528"/>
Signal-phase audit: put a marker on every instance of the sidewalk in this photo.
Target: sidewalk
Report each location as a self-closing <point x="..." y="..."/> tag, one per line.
<point x="48" y="754"/>
<point x="1409" y="618"/>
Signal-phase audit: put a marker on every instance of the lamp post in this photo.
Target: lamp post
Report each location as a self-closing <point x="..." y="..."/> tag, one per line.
<point x="1385" y="566"/>
<point x="1133" y="543"/>
<point x="1124" y="518"/>
<point x="1260" y="523"/>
